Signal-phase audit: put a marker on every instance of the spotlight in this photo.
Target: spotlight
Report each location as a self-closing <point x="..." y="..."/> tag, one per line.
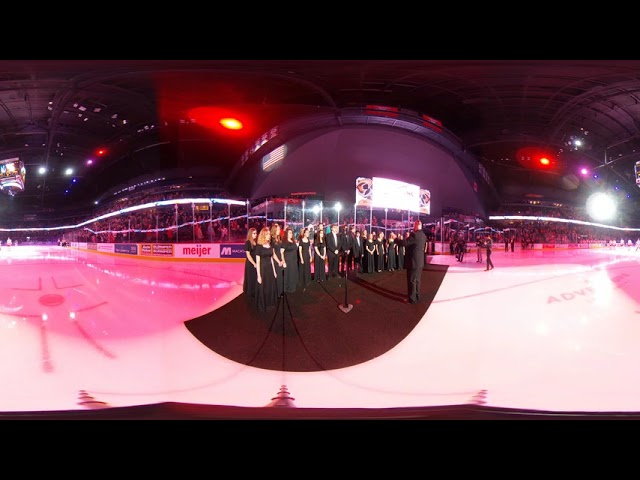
<point x="601" y="206"/>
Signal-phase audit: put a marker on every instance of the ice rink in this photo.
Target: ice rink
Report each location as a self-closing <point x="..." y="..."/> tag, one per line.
<point x="544" y="330"/>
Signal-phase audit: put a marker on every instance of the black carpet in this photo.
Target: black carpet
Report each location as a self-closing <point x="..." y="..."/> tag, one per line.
<point x="308" y="331"/>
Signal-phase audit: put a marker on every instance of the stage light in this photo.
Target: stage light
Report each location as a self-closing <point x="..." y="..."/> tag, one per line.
<point x="601" y="206"/>
<point x="537" y="158"/>
<point x="231" y="123"/>
<point x="584" y="171"/>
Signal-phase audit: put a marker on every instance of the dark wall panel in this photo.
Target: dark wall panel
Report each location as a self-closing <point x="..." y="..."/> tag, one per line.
<point x="329" y="162"/>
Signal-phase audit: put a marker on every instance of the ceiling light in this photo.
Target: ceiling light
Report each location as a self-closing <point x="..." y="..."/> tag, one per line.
<point x="600" y="206"/>
<point x="81" y="108"/>
<point x="231" y="123"/>
<point x="97" y="110"/>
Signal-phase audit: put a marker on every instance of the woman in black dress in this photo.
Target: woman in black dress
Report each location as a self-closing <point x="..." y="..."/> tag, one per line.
<point x="267" y="291"/>
<point x="278" y="258"/>
<point x="392" y="253"/>
<point x="249" y="286"/>
<point x="381" y="249"/>
<point x="320" y="257"/>
<point x="400" y="249"/>
<point x="290" y="248"/>
<point x="304" y="258"/>
<point x="370" y="255"/>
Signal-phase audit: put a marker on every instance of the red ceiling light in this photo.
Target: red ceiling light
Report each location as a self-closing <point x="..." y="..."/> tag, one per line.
<point x="101" y="152"/>
<point x="536" y="158"/>
<point x="231" y="123"/>
<point x="219" y="118"/>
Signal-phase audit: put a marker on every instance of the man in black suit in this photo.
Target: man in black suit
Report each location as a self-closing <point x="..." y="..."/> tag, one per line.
<point x="357" y="250"/>
<point x="345" y="250"/>
<point x="333" y="251"/>
<point x="415" y="248"/>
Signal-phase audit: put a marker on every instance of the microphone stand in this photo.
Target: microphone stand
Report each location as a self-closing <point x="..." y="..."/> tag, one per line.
<point x="346" y="307"/>
<point x="283" y="301"/>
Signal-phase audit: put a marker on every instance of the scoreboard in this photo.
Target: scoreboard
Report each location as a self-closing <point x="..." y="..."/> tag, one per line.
<point x="637" y="168"/>
<point x="12" y="175"/>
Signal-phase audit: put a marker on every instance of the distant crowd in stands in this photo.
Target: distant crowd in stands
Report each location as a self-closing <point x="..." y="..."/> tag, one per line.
<point x="187" y="223"/>
<point x="529" y="232"/>
<point x="223" y="223"/>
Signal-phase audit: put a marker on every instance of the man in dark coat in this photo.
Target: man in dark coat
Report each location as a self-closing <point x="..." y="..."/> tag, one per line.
<point x="415" y="248"/>
<point x="357" y="250"/>
<point x="345" y="249"/>
<point x="333" y="251"/>
<point x="488" y="243"/>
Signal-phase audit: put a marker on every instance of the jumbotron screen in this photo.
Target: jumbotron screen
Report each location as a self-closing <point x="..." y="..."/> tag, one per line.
<point x="380" y="192"/>
<point x="12" y="175"/>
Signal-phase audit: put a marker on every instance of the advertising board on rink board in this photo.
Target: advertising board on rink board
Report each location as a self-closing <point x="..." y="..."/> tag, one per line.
<point x="127" y="248"/>
<point x="105" y="247"/>
<point x="156" y="249"/>
<point x="196" y="250"/>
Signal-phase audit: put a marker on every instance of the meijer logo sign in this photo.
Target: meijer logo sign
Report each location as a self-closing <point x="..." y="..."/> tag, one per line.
<point x="197" y="251"/>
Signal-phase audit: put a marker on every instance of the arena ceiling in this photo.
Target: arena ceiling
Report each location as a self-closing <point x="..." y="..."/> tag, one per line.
<point x="57" y="114"/>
